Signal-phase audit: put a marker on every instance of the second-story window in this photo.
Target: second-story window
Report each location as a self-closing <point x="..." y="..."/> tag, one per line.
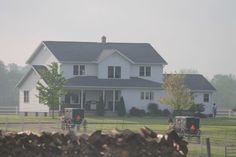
<point x="144" y="71"/>
<point x="114" y="72"/>
<point x="79" y="70"/>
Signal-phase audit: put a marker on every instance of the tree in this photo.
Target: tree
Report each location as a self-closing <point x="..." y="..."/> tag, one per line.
<point x="189" y="71"/>
<point x="121" y="111"/>
<point x="9" y="76"/>
<point x="100" y="107"/>
<point x="177" y="96"/>
<point x="52" y="88"/>
<point x="225" y="96"/>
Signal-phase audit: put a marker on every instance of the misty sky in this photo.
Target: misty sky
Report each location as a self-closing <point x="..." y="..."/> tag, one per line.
<point x="188" y="34"/>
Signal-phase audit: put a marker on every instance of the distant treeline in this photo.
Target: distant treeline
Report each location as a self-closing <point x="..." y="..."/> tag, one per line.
<point x="10" y="74"/>
<point x="225" y="96"/>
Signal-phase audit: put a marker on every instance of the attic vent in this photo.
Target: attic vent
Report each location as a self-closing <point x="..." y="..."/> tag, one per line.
<point x="104" y="39"/>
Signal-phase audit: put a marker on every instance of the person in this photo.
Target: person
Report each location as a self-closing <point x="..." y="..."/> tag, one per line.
<point x="214" y="109"/>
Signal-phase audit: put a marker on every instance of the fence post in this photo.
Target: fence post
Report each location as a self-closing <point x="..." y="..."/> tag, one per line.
<point x="208" y="145"/>
<point x="229" y="113"/>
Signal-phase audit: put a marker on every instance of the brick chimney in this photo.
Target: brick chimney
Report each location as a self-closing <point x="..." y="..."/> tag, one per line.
<point x="104" y="39"/>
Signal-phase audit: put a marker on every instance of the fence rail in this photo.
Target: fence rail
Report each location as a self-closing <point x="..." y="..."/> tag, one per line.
<point x="230" y="151"/>
<point x="226" y="113"/>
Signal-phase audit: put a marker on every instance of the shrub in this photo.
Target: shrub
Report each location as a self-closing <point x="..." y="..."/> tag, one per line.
<point x="166" y="112"/>
<point x="153" y="108"/>
<point x="121" y="111"/>
<point x="100" y="107"/>
<point x="197" y="108"/>
<point x="136" y="112"/>
<point x="234" y="109"/>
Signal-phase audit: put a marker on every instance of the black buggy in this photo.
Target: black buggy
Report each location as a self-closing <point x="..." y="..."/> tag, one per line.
<point x="188" y="126"/>
<point x="72" y="118"/>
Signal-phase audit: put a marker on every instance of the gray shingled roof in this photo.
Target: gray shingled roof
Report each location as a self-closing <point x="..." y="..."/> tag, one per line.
<point x="93" y="81"/>
<point x="197" y="82"/>
<point x="89" y="51"/>
<point x="39" y="68"/>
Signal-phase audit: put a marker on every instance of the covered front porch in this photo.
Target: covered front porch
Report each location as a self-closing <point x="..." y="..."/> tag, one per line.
<point x="88" y="99"/>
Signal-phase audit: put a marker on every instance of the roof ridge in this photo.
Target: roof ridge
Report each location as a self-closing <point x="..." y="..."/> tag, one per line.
<point x="61" y="41"/>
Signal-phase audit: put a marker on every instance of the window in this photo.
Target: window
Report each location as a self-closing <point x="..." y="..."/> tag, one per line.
<point x="75" y="69"/>
<point x="110" y="71"/>
<point x="79" y="70"/>
<point x="141" y="71"/>
<point x="147" y="95"/>
<point x="144" y="71"/>
<point x="26" y="96"/>
<point x="82" y="70"/>
<point x="148" y="71"/>
<point x="206" y="98"/>
<point x="117" y="72"/>
<point x="142" y="95"/>
<point x="114" y="72"/>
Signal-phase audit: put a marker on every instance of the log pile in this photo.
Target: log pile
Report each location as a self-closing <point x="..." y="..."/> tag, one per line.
<point x="116" y="143"/>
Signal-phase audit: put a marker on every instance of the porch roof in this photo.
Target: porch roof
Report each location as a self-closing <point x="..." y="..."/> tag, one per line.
<point x="93" y="81"/>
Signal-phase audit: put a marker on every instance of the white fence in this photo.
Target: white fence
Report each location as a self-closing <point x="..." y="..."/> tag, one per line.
<point x="9" y="110"/>
<point x="226" y="113"/>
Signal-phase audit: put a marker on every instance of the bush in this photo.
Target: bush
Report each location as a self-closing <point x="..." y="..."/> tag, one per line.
<point x="200" y="115"/>
<point x="197" y="108"/>
<point x="153" y="108"/>
<point x="136" y="112"/>
<point x="121" y="111"/>
<point x="166" y="112"/>
<point x="100" y="107"/>
<point x="234" y="109"/>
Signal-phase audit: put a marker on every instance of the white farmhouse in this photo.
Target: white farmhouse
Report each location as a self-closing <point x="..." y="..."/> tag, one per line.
<point x="107" y="70"/>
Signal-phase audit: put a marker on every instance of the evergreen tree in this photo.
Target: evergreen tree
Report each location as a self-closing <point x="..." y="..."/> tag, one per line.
<point x="121" y="111"/>
<point x="51" y="88"/>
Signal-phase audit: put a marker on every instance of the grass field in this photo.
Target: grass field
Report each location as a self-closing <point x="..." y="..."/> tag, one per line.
<point x="221" y="131"/>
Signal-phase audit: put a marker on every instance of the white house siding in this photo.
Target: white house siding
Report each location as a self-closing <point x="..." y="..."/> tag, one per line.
<point x="33" y="105"/>
<point x="198" y="99"/>
<point x="132" y="98"/>
<point x="44" y="57"/>
<point x="114" y="60"/>
<point x="90" y="69"/>
<point x="156" y="72"/>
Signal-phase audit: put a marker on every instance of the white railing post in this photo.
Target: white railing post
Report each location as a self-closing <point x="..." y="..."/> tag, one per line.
<point x="229" y="113"/>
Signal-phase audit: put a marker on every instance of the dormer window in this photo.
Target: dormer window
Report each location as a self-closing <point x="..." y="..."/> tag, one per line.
<point x="79" y="70"/>
<point x="114" y="72"/>
<point x="145" y="71"/>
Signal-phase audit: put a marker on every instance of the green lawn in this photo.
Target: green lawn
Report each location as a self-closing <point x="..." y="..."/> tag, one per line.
<point x="221" y="131"/>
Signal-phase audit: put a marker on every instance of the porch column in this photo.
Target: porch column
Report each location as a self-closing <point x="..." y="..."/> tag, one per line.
<point x="103" y="95"/>
<point x="82" y="98"/>
<point x="113" y="100"/>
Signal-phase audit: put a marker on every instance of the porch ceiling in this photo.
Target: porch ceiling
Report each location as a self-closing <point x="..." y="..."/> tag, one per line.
<point x="93" y="81"/>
